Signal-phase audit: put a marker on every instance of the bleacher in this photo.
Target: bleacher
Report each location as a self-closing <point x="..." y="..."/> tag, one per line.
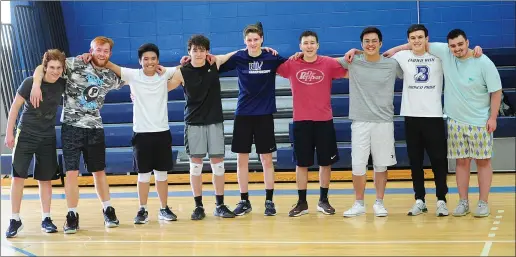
<point x="117" y="116"/>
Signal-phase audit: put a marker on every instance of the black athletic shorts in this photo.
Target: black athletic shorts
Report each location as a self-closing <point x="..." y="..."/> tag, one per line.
<point x="152" y="151"/>
<point x="257" y="129"/>
<point x="88" y="141"/>
<point x="312" y="135"/>
<point x="43" y="148"/>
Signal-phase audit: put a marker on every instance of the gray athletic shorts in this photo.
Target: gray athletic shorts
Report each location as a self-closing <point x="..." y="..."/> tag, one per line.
<point x="205" y="139"/>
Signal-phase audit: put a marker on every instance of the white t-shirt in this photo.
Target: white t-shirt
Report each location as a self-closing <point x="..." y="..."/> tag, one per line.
<point x="150" y="110"/>
<point x="422" y="84"/>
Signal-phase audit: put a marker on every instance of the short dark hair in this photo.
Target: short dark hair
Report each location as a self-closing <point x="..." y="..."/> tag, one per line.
<point x="199" y="41"/>
<point x="455" y="33"/>
<point x="417" y="27"/>
<point x="254" y="28"/>
<point x="147" y="47"/>
<point x="308" y="33"/>
<point x="371" y="30"/>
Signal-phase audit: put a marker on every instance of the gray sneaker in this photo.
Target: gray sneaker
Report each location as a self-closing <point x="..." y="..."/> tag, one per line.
<point x="418" y="208"/>
<point x="482" y="209"/>
<point x="442" y="209"/>
<point x="462" y="208"/>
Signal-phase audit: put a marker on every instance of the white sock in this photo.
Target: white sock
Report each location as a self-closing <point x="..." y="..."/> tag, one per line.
<point x="15" y="216"/>
<point x="379" y="201"/>
<point x="73" y="209"/>
<point x="361" y="202"/>
<point x="143" y="206"/>
<point x="106" y="204"/>
<point x="45" y="215"/>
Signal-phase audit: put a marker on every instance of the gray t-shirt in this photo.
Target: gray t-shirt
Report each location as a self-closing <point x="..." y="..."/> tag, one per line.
<point x="41" y="121"/>
<point x="371" y="88"/>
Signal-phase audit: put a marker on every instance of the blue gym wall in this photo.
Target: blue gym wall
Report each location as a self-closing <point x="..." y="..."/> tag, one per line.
<point x="169" y="24"/>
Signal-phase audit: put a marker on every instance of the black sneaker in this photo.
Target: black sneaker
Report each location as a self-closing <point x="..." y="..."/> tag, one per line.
<point x="110" y="220"/>
<point x="223" y="211"/>
<point x="166" y="214"/>
<point x="72" y="223"/>
<point x="15" y="226"/>
<point x="142" y="216"/>
<point x="47" y="226"/>
<point x="198" y="213"/>
<point x="299" y="209"/>
<point x="243" y="207"/>
<point x="270" y="209"/>
<point x="325" y="207"/>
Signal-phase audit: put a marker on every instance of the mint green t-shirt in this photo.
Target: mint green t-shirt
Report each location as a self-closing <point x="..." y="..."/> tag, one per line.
<point x="467" y="85"/>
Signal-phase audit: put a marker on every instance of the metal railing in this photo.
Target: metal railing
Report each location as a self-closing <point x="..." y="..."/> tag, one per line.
<point x="11" y="71"/>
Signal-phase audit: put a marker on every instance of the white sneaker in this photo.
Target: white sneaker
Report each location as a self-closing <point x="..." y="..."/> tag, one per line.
<point x="357" y="210"/>
<point x="442" y="209"/>
<point x="418" y="208"/>
<point x="379" y="210"/>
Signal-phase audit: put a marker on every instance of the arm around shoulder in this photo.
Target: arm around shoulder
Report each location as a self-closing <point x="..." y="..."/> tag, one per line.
<point x="175" y="81"/>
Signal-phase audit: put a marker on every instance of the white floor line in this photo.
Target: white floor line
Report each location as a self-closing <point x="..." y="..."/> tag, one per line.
<point x="494" y="228"/>
<point x="496" y="222"/>
<point x="487" y="248"/>
<point x="254" y="242"/>
<point x="491" y="235"/>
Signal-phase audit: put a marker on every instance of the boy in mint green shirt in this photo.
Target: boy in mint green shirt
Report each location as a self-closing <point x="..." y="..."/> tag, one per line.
<point x="472" y="96"/>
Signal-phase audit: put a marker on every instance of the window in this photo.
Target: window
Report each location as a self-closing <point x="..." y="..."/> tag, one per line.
<point x="6" y="12"/>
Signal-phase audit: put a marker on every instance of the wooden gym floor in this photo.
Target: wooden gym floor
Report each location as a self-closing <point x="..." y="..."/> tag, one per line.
<point x="254" y="234"/>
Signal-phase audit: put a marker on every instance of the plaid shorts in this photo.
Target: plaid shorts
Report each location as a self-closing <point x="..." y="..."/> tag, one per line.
<point x="468" y="141"/>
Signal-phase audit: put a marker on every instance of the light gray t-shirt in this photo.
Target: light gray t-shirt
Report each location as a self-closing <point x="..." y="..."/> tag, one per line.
<point x="371" y="88"/>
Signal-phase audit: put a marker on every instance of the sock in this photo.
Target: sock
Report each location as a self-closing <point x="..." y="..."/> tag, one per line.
<point x="163" y="208"/>
<point x="144" y="206"/>
<point x="361" y="202"/>
<point x="15" y="216"/>
<point x="73" y="209"/>
<point x="379" y="201"/>
<point x="106" y="204"/>
<point x="219" y="199"/>
<point x="268" y="194"/>
<point x="302" y="195"/>
<point x="324" y="194"/>
<point x="45" y="215"/>
<point x="198" y="201"/>
<point x="244" y="196"/>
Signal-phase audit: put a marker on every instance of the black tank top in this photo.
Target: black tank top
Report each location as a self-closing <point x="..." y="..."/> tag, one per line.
<point x="202" y="94"/>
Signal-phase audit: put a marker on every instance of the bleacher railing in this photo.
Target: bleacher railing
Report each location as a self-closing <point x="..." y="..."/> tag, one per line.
<point x="11" y="71"/>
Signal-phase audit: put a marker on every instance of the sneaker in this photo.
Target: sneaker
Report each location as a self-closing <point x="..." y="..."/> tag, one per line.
<point x="482" y="209"/>
<point x="110" y="220"/>
<point x="325" y="207"/>
<point x="243" y="207"/>
<point x="47" y="226"/>
<point x="270" y="209"/>
<point x="72" y="223"/>
<point x="418" y="208"/>
<point x="442" y="209"/>
<point x="379" y="210"/>
<point x="166" y="214"/>
<point x="299" y="209"/>
<point x="142" y="216"/>
<point x="198" y="213"/>
<point x="462" y="208"/>
<point x="356" y="210"/>
<point x="223" y="211"/>
<point x="15" y="226"/>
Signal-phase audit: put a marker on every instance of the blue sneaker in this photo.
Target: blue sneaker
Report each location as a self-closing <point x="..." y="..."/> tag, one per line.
<point x="47" y="226"/>
<point x="15" y="226"/>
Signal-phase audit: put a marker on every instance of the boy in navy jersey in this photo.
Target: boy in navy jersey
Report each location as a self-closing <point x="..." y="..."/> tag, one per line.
<point x="254" y="122"/>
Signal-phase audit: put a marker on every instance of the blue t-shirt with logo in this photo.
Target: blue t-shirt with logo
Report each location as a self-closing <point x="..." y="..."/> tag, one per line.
<point x="468" y="84"/>
<point x="256" y="81"/>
